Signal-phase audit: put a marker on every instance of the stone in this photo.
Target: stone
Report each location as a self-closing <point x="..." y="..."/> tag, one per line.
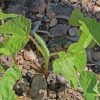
<point x="56" y="9"/>
<point x="30" y="55"/>
<point x="98" y="15"/>
<point x="58" y="43"/>
<point x="37" y="6"/>
<point x="73" y="31"/>
<point x="56" y="1"/>
<point x="59" y="30"/>
<point x="89" y="54"/>
<point x="38" y="87"/>
<point x="18" y="6"/>
<point x="96" y="55"/>
<point x="39" y="15"/>
<point x="96" y="8"/>
<point x="53" y="22"/>
<point x="98" y="2"/>
<point x="74" y="0"/>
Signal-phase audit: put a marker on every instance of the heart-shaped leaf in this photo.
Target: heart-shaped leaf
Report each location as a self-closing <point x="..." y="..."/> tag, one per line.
<point x="7" y="82"/>
<point x="65" y="66"/>
<point x="88" y="81"/>
<point x="17" y="29"/>
<point x="78" y="56"/>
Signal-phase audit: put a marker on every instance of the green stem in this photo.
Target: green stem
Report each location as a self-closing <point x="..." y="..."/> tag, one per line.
<point x="54" y="54"/>
<point x="46" y="60"/>
<point x="36" y="44"/>
<point x="15" y="61"/>
<point x="46" y="68"/>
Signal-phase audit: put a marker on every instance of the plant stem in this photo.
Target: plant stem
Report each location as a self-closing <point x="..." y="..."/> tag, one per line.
<point x="98" y="95"/>
<point x="54" y="54"/>
<point x="36" y="44"/>
<point x="46" y="60"/>
<point x="46" y="68"/>
<point x="2" y="22"/>
<point x="15" y="61"/>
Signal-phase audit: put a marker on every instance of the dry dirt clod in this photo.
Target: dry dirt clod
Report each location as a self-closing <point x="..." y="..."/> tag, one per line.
<point x="52" y="95"/>
<point x="23" y="98"/>
<point x="29" y="55"/>
<point x="7" y="61"/>
<point x="20" y="87"/>
<point x="20" y="59"/>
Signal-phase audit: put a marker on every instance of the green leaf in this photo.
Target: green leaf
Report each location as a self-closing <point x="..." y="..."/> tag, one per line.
<point x="7" y="82"/>
<point x="44" y="50"/>
<point x="92" y="25"/>
<point x="90" y="96"/>
<point x="65" y="66"/>
<point x="77" y="56"/>
<point x="16" y="26"/>
<point x="4" y="16"/>
<point x="12" y="96"/>
<point x="97" y="87"/>
<point x="75" y="17"/>
<point x="85" y="38"/>
<point x="88" y="82"/>
<point x="1" y="69"/>
<point x="92" y="44"/>
<point x="17" y="29"/>
<point x="94" y="28"/>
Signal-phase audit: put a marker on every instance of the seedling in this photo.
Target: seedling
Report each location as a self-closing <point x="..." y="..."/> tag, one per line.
<point x="16" y="31"/>
<point x="72" y="62"/>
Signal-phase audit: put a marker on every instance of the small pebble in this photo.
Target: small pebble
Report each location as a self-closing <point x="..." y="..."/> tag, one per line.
<point x="98" y="15"/>
<point x="96" y="55"/>
<point x="53" y="22"/>
<point x="98" y="2"/>
<point x="73" y="31"/>
<point x="29" y="55"/>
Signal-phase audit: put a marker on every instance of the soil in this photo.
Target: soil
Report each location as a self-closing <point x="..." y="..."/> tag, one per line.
<point x="49" y="19"/>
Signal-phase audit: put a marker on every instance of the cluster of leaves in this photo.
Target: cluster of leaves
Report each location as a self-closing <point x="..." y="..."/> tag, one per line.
<point x="74" y="60"/>
<point x="15" y="29"/>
